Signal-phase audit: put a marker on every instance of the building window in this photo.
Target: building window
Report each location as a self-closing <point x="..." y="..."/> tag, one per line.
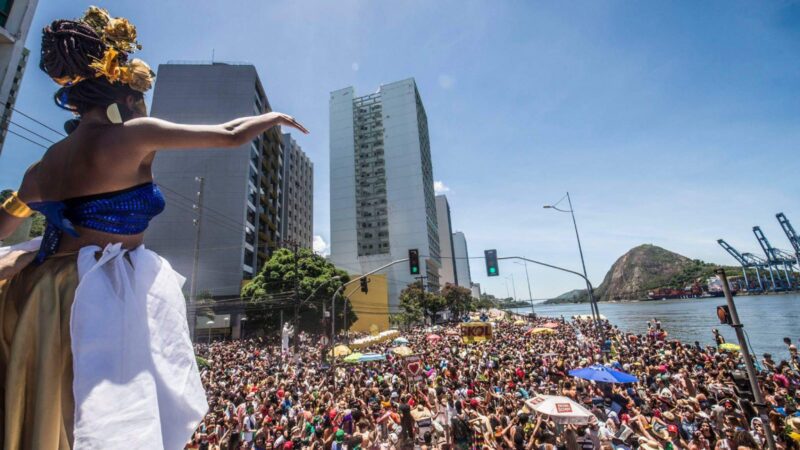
<point x="5" y="10"/>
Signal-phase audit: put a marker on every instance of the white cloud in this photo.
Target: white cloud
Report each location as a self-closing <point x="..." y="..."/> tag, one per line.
<point x="446" y="81"/>
<point x="440" y="188"/>
<point x="320" y="246"/>
<point x="355" y="67"/>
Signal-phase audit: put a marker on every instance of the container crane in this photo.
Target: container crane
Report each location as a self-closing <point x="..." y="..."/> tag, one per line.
<point x="775" y="257"/>
<point x="791" y="234"/>
<point x="745" y="260"/>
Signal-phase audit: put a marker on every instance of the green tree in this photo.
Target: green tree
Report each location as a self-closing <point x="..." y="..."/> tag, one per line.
<point x="458" y="299"/>
<point x="272" y="290"/>
<point x="417" y="303"/>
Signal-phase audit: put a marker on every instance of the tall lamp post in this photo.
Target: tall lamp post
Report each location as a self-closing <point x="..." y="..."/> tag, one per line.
<point x="209" y="323"/>
<point x="592" y="301"/>
<point x="528" y="279"/>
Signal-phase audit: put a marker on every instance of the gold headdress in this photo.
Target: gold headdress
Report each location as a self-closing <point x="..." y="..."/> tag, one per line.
<point x="119" y="36"/>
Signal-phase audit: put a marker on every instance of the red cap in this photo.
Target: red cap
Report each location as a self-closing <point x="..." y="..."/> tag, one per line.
<point x="672" y="428"/>
<point x="473" y="403"/>
<point x="288" y="445"/>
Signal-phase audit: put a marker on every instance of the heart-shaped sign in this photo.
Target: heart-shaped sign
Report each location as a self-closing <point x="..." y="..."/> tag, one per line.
<point x="414" y="368"/>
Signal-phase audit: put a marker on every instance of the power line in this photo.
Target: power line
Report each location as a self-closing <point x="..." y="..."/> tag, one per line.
<point x="35" y="120"/>
<point x="28" y="139"/>
<point x="31" y="132"/>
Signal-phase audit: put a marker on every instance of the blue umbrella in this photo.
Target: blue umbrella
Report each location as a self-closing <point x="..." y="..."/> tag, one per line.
<point x="603" y="374"/>
<point x="400" y="341"/>
<point x="367" y="357"/>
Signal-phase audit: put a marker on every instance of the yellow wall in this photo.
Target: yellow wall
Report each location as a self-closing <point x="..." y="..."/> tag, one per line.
<point x="372" y="308"/>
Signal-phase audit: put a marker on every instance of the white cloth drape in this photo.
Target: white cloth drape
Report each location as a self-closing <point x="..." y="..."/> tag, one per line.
<point x="136" y="382"/>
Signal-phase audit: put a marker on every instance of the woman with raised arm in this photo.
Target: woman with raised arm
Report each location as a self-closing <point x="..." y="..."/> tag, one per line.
<point x="94" y="344"/>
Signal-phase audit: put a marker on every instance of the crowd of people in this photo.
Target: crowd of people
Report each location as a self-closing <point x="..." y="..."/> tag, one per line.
<point x="473" y="396"/>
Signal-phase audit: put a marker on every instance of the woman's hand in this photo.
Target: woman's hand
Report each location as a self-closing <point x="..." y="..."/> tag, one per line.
<point x="289" y="121"/>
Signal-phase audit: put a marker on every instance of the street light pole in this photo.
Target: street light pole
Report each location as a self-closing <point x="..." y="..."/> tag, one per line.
<point x="514" y="287"/>
<point x="592" y="301"/>
<point x="528" y="279"/>
<point x="748" y="360"/>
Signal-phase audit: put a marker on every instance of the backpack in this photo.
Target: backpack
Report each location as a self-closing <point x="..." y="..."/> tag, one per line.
<point x="460" y="429"/>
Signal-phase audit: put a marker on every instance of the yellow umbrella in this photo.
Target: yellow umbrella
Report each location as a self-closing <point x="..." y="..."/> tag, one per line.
<point x="729" y="347"/>
<point x="402" y="351"/>
<point x="341" y="350"/>
<point x="541" y="331"/>
<point x="520" y="322"/>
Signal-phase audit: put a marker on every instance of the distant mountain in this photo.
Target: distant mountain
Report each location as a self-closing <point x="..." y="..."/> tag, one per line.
<point x="641" y="269"/>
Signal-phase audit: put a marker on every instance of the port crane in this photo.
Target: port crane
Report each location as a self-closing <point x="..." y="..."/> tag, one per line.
<point x="775" y="258"/>
<point x="790" y="233"/>
<point x="746" y="260"/>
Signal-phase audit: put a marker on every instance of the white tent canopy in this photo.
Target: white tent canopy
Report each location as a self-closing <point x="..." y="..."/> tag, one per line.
<point x="561" y="410"/>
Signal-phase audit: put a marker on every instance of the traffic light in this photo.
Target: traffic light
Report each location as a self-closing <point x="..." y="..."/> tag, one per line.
<point x="491" y="263"/>
<point x="724" y="315"/>
<point x="364" y="285"/>
<point x="413" y="261"/>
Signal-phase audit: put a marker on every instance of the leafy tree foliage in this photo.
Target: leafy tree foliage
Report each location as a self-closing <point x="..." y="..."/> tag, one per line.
<point x="416" y="304"/>
<point x="458" y="299"/>
<point x="272" y="290"/>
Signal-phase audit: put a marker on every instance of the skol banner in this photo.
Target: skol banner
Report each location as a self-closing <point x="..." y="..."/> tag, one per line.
<point x="475" y="332"/>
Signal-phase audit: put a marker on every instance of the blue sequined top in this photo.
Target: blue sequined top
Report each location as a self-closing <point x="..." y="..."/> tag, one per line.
<point x="126" y="212"/>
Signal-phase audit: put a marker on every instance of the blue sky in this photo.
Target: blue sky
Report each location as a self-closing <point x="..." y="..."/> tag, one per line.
<point x="671" y="123"/>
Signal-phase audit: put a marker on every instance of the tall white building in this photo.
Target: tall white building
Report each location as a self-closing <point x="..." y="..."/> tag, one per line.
<point x="462" y="260"/>
<point x="15" y="21"/>
<point x="382" y="199"/>
<point x="448" y="273"/>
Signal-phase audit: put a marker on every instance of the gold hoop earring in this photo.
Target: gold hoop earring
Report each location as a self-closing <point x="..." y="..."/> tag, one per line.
<point x="113" y="114"/>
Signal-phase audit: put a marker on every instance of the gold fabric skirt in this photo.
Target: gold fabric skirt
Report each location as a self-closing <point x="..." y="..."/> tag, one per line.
<point x="37" y="406"/>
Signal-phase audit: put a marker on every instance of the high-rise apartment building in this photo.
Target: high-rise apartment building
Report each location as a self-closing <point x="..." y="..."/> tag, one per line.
<point x="448" y="273"/>
<point x="382" y="199"/>
<point x="297" y="223"/>
<point x="462" y="256"/>
<point x="240" y="219"/>
<point x="15" y="21"/>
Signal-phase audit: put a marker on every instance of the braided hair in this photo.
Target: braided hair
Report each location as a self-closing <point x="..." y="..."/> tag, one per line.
<point x="68" y="49"/>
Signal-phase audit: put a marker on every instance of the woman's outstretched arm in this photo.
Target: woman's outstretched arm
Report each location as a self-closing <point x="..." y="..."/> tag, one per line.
<point x="152" y="134"/>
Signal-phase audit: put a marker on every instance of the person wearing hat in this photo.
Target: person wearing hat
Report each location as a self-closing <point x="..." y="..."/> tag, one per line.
<point x="338" y="440"/>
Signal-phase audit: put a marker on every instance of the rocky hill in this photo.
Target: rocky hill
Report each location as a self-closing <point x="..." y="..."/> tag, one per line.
<point x="641" y="269"/>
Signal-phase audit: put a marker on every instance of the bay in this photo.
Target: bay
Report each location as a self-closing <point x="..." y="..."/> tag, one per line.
<point x="767" y="319"/>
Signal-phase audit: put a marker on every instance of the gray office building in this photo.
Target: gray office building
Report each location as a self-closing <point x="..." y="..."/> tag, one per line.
<point x="297" y="223"/>
<point x="15" y="22"/>
<point x="448" y="274"/>
<point x="240" y="219"/>
<point x="462" y="257"/>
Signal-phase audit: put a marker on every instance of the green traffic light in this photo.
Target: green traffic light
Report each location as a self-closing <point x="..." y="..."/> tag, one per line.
<point x="492" y="269"/>
<point x="415" y="269"/>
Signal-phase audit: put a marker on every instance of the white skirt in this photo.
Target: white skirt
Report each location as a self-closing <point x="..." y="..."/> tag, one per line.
<point x="136" y="382"/>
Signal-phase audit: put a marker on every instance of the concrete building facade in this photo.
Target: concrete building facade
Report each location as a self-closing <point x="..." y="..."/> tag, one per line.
<point x="15" y="22"/>
<point x="462" y="260"/>
<point x="297" y="222"/>
<point x="447" y="275"/>
<point x="382" y="199"/>
<point x="240" y="218"/>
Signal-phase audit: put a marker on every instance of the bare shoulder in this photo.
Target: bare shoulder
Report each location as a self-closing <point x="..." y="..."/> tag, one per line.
<point x="29" y="190"/>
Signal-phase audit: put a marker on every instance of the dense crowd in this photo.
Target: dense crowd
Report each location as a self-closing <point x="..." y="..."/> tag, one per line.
<point x="473" y="396"/>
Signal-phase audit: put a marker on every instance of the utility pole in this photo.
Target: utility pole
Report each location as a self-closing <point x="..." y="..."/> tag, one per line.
<point x="192" y="310"/>
<point x="296" y="297"/>
<point x="528" y="279"/>
<point x="748" y="360"/>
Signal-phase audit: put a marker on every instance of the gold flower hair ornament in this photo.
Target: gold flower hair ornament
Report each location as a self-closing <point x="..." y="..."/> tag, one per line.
<point x="116" y="32"/>
<point x="135" y="73"/>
